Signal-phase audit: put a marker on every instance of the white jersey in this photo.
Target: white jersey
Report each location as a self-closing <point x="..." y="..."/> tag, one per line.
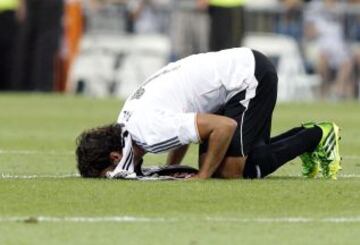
<point x="161" y="114"/>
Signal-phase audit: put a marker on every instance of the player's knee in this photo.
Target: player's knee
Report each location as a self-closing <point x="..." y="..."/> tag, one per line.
<point x="231" y="124"/>
<point x="259" y="164"/>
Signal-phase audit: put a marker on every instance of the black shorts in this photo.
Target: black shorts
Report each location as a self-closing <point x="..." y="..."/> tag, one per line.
<point x="254" y="122"/>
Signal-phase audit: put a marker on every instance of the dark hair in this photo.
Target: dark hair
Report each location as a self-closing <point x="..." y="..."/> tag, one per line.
<point x="94" y="147"/>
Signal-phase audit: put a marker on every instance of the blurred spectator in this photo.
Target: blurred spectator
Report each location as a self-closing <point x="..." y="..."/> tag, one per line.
<point x="189" y="29"/>
<point x="146" y="17"/>
<point x="37" y="44"/>
<point x="353" y="20"/>
<point x="7" y="38"/>
<point x="226" y="23"/>
<point x="290" y="21"/>
<point x="73" y="29"/>
<point x="354" y="26"/>
<point x="323" y="24"/>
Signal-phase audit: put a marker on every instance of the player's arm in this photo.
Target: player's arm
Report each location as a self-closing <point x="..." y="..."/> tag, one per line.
<point x="176" y="156"/>
<point x="218" y="131"/>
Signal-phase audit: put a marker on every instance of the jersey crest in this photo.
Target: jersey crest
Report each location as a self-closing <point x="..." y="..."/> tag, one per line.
<point x="138" y="93"/>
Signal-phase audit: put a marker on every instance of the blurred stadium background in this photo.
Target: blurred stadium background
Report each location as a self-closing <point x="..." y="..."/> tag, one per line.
<point x="107" y="47"/>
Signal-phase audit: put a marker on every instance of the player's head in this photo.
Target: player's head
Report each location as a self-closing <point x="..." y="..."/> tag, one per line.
<point x="96" y="149"/>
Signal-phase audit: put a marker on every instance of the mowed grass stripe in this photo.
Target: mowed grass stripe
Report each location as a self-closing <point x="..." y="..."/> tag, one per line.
<point x="134" y="219"/>
<point x="61" y="153"/>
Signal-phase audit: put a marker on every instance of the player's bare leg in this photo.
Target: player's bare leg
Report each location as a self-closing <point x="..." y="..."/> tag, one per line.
<point x="344" y="85"/>
<point x="323" y="69"/>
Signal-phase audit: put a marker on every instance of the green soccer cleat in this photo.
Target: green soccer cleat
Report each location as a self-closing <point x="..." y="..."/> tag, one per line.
<point x="310" y="165"/>
<point x="326" y="154"/>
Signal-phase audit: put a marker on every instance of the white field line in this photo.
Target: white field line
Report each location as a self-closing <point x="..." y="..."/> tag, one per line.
<point x="133" y="219"/>
<point x="351" y="157"/>
<point x="9" y="176"/>
<point x="34" y="152"/>
<point x="341" y="176"/>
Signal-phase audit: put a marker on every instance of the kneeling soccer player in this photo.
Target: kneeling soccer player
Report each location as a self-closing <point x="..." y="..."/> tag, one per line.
<point x="222" y="100"/>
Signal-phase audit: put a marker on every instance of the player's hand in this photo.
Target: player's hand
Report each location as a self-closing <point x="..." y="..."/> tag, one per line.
<point x="195" y="177"/>
<point x="183" y="175"/>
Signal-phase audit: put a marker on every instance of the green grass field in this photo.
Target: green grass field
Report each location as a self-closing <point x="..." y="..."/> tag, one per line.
<point x="43" y="202"/>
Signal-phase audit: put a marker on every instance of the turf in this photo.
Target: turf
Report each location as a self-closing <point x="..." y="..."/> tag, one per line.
<point x="37" y="138"/>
